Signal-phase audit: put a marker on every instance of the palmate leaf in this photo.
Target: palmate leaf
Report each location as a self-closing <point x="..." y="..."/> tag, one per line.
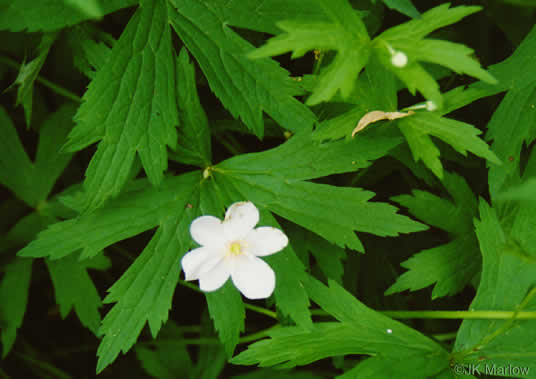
<point x="450" y="266"/>
<point x="246" y="88"/>
<point x="48" y="15"/>
<point x="344" y="32"/>
<point x="194" y="134"/>
<point x="72" y="284"/>
<point x="502" y="343"/>
<point x="332" y="212"/>
<point x="131" y="106"/>
<point x="32" y="182"/>
<point x="408" y="38"/>
<point x="513" y="123"/>
<point x="360" y="330"/>
<point x="461" y="136"/>
<point x="74" y="289"/>
<point x="144" y="292"/>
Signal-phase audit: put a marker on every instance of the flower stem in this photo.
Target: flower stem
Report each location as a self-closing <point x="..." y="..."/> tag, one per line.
<point x="251" y="307"/>
<point x="47" y="83"/>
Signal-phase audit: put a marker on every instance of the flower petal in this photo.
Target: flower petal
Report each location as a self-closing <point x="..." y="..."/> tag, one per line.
<point x="199" y="261"/>
<point x="208" y="231"/>
<point x="215" y="278"/>
<point x="265" y="241"/>
<point x="240" y="219"/>
<point x="253" y="277"/>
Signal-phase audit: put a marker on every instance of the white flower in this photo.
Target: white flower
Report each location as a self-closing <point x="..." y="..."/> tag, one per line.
<point x="231" y="248"/>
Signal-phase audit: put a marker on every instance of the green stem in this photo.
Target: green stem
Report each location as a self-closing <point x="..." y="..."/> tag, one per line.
<point x="208" y="340"/>
<point x="251" y="307"/>
<point x="455" y="315"/>
<point x="490" y="315"/>
<point x="261" y="310"/>
<point x="47" y="83"/>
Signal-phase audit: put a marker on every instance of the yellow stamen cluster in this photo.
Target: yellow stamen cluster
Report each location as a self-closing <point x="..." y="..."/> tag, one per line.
<point x="235" y="248"/>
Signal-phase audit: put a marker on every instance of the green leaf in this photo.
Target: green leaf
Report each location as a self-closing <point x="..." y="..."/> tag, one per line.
<point x="263" y="15"/>
<point x="194" y="133"/>
<point x="501" y="343"/>
<point x="14" y="289"/>
<point x="375" y="89"/>
<point x="48" y="15"/>
<point x="452" y="55"/>
<point x="511" y="126"/>
<point x="167" y="357"/>
<point x="91" y="8"/>
<point x="431" y="20"/>
<point x="456" y="217"/>
<point x="453" y="265"/>
<point x="16" y="169"/>
<point x="144" y="292"/>
<point x="329" y="257"/>
<point x="50" y="162"/>
<point x="289" y="294"/>
<point x="524" y="191"/>
<point x="141" y="208"/>
<point x="246" y="88"/>
<point x="512" y="74"/>
<point x="304" y="158"/>
<point x="227" y="310"/>
<point x="408" y="39"/>
<point x="28" y="73"/>
<point x="130" y="105"/>
<point x="403" y="6"/>
<point x="461" y="136"/>
<point x="75" y="289"/>
<point x="450" y="266"/>
<point x="361" y="330"/>
<point x="344" y="32"/>
<point x="211" y="359"/>
<point x="88" y="54"/>
<point x="33" y="183"/>
<point x="332" y="212"/>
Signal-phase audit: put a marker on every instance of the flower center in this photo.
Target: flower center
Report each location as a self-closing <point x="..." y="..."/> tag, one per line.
<point x="235" y="248"/>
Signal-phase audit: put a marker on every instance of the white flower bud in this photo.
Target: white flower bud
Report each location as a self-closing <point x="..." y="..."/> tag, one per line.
<point x="431" y="106"/>
<point x="399" y="59"/>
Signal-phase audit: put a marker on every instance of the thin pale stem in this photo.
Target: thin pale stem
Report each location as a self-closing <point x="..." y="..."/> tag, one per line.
<point x="455" y="315"/>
